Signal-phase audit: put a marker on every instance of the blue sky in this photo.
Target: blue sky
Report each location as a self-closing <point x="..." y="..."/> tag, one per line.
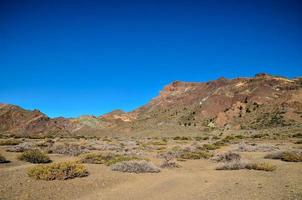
<point x="69" y="58"/>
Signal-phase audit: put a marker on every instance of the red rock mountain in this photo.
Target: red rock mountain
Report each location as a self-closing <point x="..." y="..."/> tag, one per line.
<point x="243" y="103"/>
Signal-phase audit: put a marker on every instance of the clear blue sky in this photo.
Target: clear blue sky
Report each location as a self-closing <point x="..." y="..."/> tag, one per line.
<point x="69" y="58"/>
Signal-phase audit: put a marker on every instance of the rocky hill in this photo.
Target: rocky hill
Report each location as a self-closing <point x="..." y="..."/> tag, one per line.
<point x="259" y="102"/>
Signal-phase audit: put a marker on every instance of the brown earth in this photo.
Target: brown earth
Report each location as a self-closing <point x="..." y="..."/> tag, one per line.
<point x="196" y="179"/>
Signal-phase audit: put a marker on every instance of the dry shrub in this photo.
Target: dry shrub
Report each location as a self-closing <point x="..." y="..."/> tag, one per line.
<point x="211" y="146"/>
<point x="298" y="142"/>
<point x="169" y="164"/>
<point x="195" y="155"/>
<point x="34" y="156"/>
<point x="233" y="165"/>
<point x="58" y="171"/>
<point x="21" y="147"/>
<point x="10" y="142"/>
<point x="3" y="159"/>
<point x="135" y="166"/>
<point x="288" y="156"/>
<point x="256" y="148"/>
<point x="186" y="154"/>
<point x="242" y="164"/>
<point x="68" y="149"/>
<point x="107" y="159"/>
<point x="226" y="157"/>
<point x="261" y="166"/>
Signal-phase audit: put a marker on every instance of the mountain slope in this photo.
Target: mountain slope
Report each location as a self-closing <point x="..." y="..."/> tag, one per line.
<point x="262" y="101"/>
<point x="243" y="103"/>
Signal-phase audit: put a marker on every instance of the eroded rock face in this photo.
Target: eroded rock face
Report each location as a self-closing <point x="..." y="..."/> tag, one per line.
<point x="259" y="102"/>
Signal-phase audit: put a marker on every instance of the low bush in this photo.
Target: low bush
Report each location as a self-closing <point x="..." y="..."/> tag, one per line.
<point x="226" y="157"/>
<point x="34" y="156"/>
<point x="298" y="142"/>
<point x="233" y="165"/>
<point x="241" y="164"/>
<point x="21" y="147"/>
<point x="169" y="164"/>
<point x="239" y="136"/>
<point x="141" y="166"/>
<point x="194" y="155"/>
<point x="182" y="138"/>
<point x="256" y="148"/>
<point x="107" y="159"/>
<point x="261" y="166"/>
<point x="260" y="135"/>
<point x="3" y="159"/>
<point x="158" y="143"/>
<point x="58" y="171"/>
<point x="10" y="142"/>
<point x="211" y="146"/>
<point x="297" y="135"/>
<point x="68" y="149"/>
<point x="288" y="156"/>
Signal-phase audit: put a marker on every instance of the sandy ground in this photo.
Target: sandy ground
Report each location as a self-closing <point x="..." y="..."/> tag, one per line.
<point x="196" y="179"/>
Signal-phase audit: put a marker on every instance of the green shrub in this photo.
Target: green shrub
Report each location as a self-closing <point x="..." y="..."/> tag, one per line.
<point x="10" y="142"/>
<point x="58" y="171"/>
<point x="3" y="159"/>
<point x="107" y="159"/>
<point x="34" y="156"/>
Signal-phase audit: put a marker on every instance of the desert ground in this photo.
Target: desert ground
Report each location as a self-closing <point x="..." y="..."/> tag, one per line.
<point x="188" y="177"/>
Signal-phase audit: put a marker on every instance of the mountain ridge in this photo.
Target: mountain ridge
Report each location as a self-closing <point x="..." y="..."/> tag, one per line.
<point x="240" y="103"/>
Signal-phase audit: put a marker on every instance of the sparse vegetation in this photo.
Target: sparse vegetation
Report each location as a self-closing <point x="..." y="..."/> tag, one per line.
<point x="68" y="149"/>
<point x="135" y="166"/>
<point x="298" y="142"/>
<point x="58" y="171"/>
<point x="24" y="146"/>
<point x="194" y="155"/>
<point x="34" y="156"/>
<point x="3" y="159"/>
<point x="241" y="164"/>
<point x="211" y="146"/>
<point x="226" y="157"/>
<point x="10" y="142"/>
<point x="169" y="164"/>
<point x="107" y="159"/>
<point x="182" y="138"/>
<point x="288" y="156"/>
<point x="243" y="147"/>
<point x="261" y="166"/>
<point x="297" y="135"/>
<point x="233" y="165"/>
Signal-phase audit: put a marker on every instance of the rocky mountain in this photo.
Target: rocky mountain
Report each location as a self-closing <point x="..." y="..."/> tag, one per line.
<point x="258" y="102"/>
<point x="243" y="103"/>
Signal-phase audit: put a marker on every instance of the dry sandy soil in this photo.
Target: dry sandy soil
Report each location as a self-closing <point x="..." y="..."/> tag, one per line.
<point x="195" y="180"/>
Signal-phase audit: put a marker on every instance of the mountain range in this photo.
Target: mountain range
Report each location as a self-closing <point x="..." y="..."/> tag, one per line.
<point x="258" y="102"/>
